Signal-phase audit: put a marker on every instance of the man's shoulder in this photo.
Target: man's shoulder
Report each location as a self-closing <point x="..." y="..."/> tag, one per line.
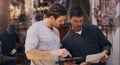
<point x="67" y="36"/>
<point x="3" y="32"/>
<point x="36" y="25"/>
<point x="90" y="26"/>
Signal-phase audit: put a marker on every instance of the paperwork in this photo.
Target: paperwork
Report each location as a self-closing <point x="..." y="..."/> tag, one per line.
<point x="94" y="58"/>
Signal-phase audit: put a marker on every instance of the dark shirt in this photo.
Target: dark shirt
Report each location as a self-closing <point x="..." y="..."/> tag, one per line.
<point x="8" y="42"/>
<point x="91" y="41"/>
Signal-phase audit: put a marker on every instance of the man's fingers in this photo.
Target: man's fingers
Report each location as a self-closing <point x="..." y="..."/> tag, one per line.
<point x="85" y="63"/>
<point x="64" y="53"/>
<point x="67" y="52"/>
<point x="104" y="59"/>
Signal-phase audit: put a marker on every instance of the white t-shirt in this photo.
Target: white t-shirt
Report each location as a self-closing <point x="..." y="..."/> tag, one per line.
<point x="80" y="32"/>
<point x="41" y="37"/>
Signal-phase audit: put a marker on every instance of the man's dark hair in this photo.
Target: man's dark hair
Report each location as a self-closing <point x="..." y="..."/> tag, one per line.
<point x="56" y="10"/>
<point x="11" y="28"/>
<point x="76" y="11"/>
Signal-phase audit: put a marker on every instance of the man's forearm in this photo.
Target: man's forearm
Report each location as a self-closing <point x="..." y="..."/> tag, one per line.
<point x="38" y="54"/>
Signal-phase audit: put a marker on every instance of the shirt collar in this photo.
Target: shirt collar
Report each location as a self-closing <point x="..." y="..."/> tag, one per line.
<point x="73" y="33"/>
<point x="79" y="32"/>
<point x="45" y="21"/>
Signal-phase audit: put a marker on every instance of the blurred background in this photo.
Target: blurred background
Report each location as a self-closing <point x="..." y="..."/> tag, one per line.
<point x="23" y="13"/>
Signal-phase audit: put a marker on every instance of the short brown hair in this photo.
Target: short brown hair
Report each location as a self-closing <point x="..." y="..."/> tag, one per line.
<point x="56" y="10"/>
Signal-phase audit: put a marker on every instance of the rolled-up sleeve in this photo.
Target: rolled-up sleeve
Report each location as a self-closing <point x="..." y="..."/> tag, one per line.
<point x="32" y="39"/>
<point x="103" y="41"/>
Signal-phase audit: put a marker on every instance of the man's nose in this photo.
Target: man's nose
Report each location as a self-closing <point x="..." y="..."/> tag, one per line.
<point x="62" y="22"/>
<point x="79" y="23"/>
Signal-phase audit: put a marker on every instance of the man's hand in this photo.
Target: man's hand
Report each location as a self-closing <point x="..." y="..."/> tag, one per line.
<point x="72" y="63"/>
<point x="85" y="63"/>
<point x="104" y="58"/>
<point x="61" y="52"/>
<point x="13" y="51"/>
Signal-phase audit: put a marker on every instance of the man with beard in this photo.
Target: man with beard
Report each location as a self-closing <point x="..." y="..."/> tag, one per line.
<point x="85" y="39"/>
<point x="42" y="41"/>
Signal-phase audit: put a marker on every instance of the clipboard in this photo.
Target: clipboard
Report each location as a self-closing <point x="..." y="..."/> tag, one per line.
<point x="70" y="59"/>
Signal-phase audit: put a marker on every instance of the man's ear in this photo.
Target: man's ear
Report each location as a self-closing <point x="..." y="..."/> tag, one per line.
<point x="52" y="18"/>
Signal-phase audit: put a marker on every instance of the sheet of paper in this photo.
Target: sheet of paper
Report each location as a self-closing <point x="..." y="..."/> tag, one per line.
<point x="94" y="58"/>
